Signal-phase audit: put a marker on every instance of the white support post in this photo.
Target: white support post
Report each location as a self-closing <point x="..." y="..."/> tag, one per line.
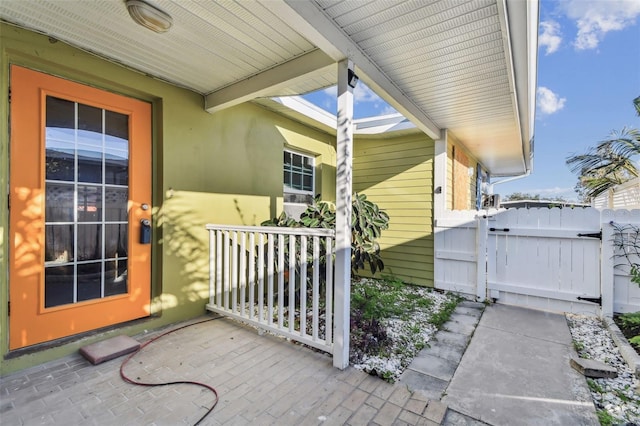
<point x="440" y="176"/>
<point x="344" y="160"/>
<point x="606" y="264"/>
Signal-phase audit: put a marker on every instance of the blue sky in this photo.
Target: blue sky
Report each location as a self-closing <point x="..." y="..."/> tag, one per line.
<point x="588" y="75"/>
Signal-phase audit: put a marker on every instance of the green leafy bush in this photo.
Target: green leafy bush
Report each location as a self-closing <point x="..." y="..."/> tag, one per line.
<point x="367" y="223"/>
<point x="630" y="325"/>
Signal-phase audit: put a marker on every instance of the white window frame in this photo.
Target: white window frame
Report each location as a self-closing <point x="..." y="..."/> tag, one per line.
<point x="290" y="190"/>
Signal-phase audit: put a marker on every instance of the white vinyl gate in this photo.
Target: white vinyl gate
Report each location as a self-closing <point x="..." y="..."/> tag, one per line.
<point x="552" y="259"/>
<point x="545" y="258"/>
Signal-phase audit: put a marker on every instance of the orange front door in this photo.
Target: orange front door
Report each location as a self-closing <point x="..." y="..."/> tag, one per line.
<point x="80" y="182"/>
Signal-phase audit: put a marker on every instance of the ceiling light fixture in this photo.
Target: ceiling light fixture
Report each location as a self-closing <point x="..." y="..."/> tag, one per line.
<point x="149" y="16"/>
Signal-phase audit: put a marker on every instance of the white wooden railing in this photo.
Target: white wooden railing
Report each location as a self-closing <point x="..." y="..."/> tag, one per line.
<point x="273" y="278"/>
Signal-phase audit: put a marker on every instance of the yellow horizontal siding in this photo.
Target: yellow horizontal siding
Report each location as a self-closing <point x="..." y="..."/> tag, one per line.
<point x="397" y="174"/>
<point x="387" y="164"/>
<point x="378" y="146"/>
<point x="394" y="256"/>
<point x="409" y="250"/>
<point x="381" y="154"/>
<point x="407" y="213"/>
<point x="395" y="240"/>
<point x="408" y="177"/>
<point x="409" y="224"/>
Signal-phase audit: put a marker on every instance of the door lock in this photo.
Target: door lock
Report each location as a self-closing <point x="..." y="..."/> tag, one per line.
<point x="145" y="231"/>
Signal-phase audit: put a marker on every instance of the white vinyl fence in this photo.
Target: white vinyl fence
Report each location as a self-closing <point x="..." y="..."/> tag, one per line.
<point x="277" y="279"/>
<point x="552" y="259"/>
<point x="623" y="196"/>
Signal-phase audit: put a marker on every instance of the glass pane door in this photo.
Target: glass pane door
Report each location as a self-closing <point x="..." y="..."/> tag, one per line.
<point x="87" y="189"/>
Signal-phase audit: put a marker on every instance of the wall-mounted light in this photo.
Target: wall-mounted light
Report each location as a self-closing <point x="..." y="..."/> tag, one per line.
<point x="149" y="16"/>
<point x="352" y="79"/>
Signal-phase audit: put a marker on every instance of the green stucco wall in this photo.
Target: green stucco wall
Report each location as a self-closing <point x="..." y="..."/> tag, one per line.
<point x="220" y="168"/>
<point x="397" y="174"/>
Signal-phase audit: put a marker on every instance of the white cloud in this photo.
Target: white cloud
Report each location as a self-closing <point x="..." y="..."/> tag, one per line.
<point x="549" y="102"/>
<point x="366" y="100"/>
<point x="595" y="18"/>
<point x="362" y="93"/>
<point x="550" y="37"/>
<point x="331" y="91"/>
<point x="388" y="109"/>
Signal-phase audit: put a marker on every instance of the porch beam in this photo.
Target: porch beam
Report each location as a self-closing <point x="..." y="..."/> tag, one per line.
<point x="269" y="82"/>
<point x="309" y="20"/>
<point x="344" y="163"/>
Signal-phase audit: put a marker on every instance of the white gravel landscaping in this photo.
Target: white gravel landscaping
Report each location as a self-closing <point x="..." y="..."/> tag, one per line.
<point x="617" y="400"/>
<point x="407" y="333"/>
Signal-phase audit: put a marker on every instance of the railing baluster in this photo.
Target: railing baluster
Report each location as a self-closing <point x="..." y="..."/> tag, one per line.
<point x="243" y="273"/>
<point x="252" y="273"/>
<point x="212" y="268"/>
<point x="315" y="293"/>
<point x="260" y="277"/>
<point x="270" y="273"/>
<point x="219" y="284"/>
<point x="227" y="284"/>
<point x="234" y="273"/>
<point x="303" y="285"/>
<point x="280" y="280"/>
<point x="328" y="332"/>
<point x="292" y="282"/>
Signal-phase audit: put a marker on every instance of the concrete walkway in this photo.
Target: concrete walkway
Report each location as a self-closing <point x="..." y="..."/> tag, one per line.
<point x="432" y="369"/>
<point x="516" y="371"/>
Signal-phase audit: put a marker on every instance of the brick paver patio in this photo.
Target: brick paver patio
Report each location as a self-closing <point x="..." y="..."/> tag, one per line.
<point x="261" y="380"/>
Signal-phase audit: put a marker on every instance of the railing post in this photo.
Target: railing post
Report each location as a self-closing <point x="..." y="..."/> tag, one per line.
<point x="606" y="264"/>
<point x="344" y="159"/>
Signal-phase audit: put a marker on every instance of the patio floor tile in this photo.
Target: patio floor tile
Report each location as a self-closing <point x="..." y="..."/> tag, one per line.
<point x="261" y="379"/>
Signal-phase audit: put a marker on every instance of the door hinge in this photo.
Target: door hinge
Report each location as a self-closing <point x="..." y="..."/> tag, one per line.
<point x="9" y="94"/>
<point x="499" y="229"/>
<point x="597" y="235"/>
<point x="8" y="309"/>
<point x="597" y="300"/>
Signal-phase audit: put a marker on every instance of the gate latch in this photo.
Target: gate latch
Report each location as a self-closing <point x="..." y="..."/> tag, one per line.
<point x="597" y="235"/>
<point x="597" y="300"/>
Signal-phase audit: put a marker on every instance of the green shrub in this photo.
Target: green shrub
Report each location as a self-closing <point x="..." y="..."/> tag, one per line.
<point x="367" y="223"/>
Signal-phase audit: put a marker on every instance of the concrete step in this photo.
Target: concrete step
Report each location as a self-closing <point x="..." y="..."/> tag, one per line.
<point x="109" y="349"/>
<point x="593" y="369"/>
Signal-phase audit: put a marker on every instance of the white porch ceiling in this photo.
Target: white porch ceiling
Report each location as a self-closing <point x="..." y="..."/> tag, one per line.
<point x="466" y="66"/>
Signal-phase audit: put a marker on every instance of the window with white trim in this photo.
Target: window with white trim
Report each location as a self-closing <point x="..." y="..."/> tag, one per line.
<point x="299" y="178"/>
